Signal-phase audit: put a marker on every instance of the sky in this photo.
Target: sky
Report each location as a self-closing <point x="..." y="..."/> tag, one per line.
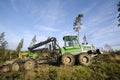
<point x="54" y="18"/>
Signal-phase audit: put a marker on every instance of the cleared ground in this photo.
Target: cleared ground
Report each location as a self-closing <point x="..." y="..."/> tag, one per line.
<point x="103" y="67"/>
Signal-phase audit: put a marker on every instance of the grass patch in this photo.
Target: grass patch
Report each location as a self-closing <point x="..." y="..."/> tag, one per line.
<point x="103" y="67"/>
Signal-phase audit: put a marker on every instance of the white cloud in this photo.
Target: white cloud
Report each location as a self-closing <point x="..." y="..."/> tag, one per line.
<point x="13" y="3"/>
<point x="50" y="29"/>
<point x="89" y="8"/>
<point x="99" y="14"/>
<point x="102" y="21"/>
<point x="45" y="28"/>
<point x="105" y="31"/>
<point x="101" y="25"/>
<point x="26" y="35"/>
<point x="52" y="13"/>
<point x="47" y="17"/>
<point x="13" y="42"/>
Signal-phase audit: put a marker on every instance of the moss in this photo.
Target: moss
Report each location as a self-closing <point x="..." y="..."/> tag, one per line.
<point x="103" y="67"/>
<point x="12" y="76"/>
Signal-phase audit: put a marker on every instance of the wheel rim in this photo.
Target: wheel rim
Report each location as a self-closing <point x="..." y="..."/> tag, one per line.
<point x="85" y="59"/>
<point x="15" y="67"/>
<point x="67" y="60"/>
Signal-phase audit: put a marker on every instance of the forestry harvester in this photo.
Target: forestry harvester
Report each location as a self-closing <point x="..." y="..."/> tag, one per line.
<point x="71" y="53"/>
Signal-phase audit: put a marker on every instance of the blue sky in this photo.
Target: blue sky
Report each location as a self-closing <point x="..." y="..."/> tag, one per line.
<point x="54" y="18"/>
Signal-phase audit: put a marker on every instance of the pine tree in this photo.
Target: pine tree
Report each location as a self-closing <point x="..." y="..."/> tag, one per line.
<point x="77" y="24"/>
<point x="33" y="40"/>
<point x="118" y="13"/>
<point x="85" y="40"/>
<point x="3" y="42"/>
<point x="20" y="45"/>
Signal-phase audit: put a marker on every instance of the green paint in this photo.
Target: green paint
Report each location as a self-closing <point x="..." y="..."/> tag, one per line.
<point x="72" y="45"/>
<point x="33" y="55"/>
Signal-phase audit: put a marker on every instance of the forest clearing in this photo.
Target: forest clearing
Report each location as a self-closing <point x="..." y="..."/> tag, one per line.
<point x="103" y="67"/>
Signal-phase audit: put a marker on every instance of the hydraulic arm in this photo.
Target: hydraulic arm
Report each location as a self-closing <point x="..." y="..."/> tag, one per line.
<point x="49" y="40"/>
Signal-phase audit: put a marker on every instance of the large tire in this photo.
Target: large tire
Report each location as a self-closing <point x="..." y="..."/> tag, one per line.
<point x="68" y="59"/>
<point x="84" y="59"/>
<point x="15" y="66"/>
<point x="29" y="64"/>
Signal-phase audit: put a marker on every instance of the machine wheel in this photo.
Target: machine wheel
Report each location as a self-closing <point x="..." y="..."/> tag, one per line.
<point x="29" y="64"/>
<point x="15" y="66"/>
<point x="84" y="59"/>
<point x="68" y="59"/>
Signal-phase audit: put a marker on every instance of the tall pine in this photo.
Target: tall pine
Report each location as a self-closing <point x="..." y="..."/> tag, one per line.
<point x="3" y="43"/>
<point x="20" y="45"/>
<point x="77" y="24"/>
<point x="33" y="40"/>
<point x="118" y="13"/>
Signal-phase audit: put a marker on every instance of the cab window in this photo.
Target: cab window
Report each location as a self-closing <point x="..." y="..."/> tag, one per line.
<point x="69" y="42"/>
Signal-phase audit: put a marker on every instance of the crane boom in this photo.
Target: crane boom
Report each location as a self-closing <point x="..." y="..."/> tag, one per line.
<point x="52" y="39"/>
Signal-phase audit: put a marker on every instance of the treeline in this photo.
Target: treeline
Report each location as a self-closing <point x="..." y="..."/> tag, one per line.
<point x="7" y="54"/>
<point x="3" y="45"/>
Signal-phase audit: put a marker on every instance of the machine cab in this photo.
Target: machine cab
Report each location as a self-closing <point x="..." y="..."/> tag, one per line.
<point x="70" y="41"/>
<point x="71" y="45"/>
